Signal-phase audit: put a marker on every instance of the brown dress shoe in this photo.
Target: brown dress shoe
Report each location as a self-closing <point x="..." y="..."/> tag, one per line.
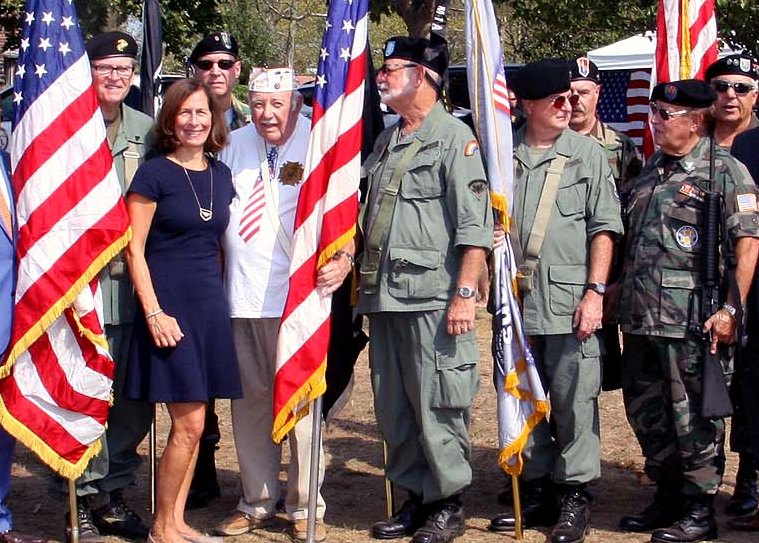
<point x="12" y="536"/>
<point x="745" y="524"/>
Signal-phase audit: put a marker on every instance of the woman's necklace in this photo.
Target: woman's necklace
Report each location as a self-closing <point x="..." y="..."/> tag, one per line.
<point x="205" y="213"/>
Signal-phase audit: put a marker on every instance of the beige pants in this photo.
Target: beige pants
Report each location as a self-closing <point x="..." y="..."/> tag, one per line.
<point x="258" y="456"/>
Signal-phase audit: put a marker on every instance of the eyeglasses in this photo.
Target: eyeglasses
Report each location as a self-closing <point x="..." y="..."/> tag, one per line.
<point x="665" y="114"/>
<point x="558" y="101"/>
<point x="224" y="64"/>
<point x="385" y="69"/>
<point x="105" y="70"/>
<point x="741" y="89"/>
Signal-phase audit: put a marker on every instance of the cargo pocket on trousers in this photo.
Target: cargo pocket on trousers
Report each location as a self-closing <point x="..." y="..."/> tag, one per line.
<point x="456" y="378"/>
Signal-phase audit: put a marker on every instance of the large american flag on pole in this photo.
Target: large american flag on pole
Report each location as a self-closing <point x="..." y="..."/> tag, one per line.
<point x="624" y="101"/>
<point x="522" y="403"/>
<point x="56" y="377"/>
<point x="327" y="210"/>
<point x="686" y="43"/>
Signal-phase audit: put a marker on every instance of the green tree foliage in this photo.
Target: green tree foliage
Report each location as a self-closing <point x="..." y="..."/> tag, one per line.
<point x="738" y="24"/>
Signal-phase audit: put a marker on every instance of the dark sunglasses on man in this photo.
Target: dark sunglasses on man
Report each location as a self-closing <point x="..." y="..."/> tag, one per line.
<point x="666" y="114"/>
<point x="741" y="89"/>
<point x="558" y="101"/>
<point x="224" y="64"/>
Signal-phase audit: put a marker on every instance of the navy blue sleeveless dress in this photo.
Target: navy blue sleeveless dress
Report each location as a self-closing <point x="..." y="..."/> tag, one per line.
<point x="183" y="256"/>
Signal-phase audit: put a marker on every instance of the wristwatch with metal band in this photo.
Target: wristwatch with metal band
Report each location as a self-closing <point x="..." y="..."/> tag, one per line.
<point x="598" y="288"/>
<point x="466" y="292"/>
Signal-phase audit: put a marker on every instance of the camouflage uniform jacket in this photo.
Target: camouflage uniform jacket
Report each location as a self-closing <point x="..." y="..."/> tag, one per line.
<point x="622" y="154"/>
<point x="664" y="252"/>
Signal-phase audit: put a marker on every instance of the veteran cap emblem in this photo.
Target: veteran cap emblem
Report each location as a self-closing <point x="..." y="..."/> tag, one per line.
<point x="670" y="92"/>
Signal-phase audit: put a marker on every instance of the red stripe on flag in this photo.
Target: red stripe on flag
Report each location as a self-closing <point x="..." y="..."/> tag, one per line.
<point x="89" y="353"/>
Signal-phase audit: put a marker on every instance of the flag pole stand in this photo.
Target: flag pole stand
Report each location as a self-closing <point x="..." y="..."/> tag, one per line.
<point x="313" y="478"/>
<point x="152" y="446"/>
<point x="518" y="535"/>
<point x="389" y="494"/>
<point x="73" y="515"/>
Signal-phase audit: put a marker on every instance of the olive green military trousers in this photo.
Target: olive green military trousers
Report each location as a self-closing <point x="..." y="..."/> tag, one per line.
<point x="424" y="381"/>
<point x="567" y="448"/>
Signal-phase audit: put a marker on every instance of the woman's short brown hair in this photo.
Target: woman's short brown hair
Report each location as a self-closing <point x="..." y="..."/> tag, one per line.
<point x="164" y="137"/>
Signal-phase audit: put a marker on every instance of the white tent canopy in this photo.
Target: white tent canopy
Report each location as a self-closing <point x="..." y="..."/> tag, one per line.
<point x="633" y="53"/>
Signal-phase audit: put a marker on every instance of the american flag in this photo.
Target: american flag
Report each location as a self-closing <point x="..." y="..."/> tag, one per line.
<point x="327" y="210"/>
<point x="686" y="44"/>
<point x="57" y="373"/>
<point x="521" y="401"/>
<point x="624" y="101"/>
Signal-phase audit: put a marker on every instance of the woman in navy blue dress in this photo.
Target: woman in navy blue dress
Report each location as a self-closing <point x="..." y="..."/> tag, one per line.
<point x="182" y="350"/>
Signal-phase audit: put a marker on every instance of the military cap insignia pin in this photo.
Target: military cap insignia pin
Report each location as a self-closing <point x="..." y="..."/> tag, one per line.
<point x="745" y="65"/>
<point x="389" y="48"/>
<point x="583" y="66"/>
<point x="670" y="92"/>
<point x="226" y="41"/>
<point x="121" y="44"/>
<point x="291" y="173"/>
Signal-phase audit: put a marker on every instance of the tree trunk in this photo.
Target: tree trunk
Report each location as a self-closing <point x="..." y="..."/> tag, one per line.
<point x="417" y="14"/>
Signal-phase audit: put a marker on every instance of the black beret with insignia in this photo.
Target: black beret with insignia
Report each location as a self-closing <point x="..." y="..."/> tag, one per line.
<point x="584" y="69"/>
<point x="686" y="92"/>
<point x="430" y="53"/>
<point x="740" y="64"/>
<point x="111" y="44"/>
<point x="540" y="79"/>
<point x="218" y="42"/>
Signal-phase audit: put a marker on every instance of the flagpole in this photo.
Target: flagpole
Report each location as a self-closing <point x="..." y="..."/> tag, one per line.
<point x="73" y="516"/>
<point x="153" y="485"/>
<point x="389" y="495"/>
<point x="313" y="481"/>
<point x="517" y="508"/>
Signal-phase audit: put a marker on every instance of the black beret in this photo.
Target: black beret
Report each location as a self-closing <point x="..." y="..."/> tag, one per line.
<point x="218" y="42"/>
<point x="686" y="92"/>
<point x="432" y="54"/>
<point x="740" y="64"/>
<point x="540" y="79"/>
<point x="111" y="44"/>
<point x="584" y="69"/>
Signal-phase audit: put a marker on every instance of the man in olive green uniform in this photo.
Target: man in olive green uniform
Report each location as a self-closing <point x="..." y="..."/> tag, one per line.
<point x="625" y="164"/>
<point x="100" y="489"/>
<point x="563" y="179"/>
<point x="664" y="353"/>
<point x="734" y="79"/>
<point x="216" y="62"/>
<point x="427" y="227"/>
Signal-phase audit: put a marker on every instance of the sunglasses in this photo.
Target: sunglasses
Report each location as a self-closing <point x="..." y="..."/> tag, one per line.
<point x="741" y="89"/>
<point x="224" y="64"/>
<point x="664" y="113"/>
<point x="558" y="101"/>
<point x="385" y="69"/>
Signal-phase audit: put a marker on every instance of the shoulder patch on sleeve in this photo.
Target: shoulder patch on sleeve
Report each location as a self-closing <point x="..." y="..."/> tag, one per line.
<point x="478" y="186"/>
<point x="471" y="148"/>
<point x="746" y="202"/>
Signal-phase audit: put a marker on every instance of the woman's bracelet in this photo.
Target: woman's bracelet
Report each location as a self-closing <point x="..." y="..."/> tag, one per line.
<point x="347" y="255"/>
<point x="154" y="313"/>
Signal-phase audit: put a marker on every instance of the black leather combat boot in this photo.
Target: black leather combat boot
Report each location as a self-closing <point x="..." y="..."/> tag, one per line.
<point x="745" y="498"/>
<point x="696" y="524"/>
<point x="407" y="520"/>
<point x="445" y="522"/>
<point x="539" y="507"/>
<point x="662" y="512"/>
<point x="574" y="516"/>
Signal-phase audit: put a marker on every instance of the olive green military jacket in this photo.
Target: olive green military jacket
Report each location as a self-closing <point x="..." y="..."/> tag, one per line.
<point x="621" y="153"/>
<point x="586" y="205"/>
<point x="443" y="204"/>
<point x="241" y="114"/>
<point x="118" y="295"/>
<point x="664" y="252"/>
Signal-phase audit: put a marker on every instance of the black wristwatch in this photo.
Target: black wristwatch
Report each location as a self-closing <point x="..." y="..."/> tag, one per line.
<point x="598" y="288"/>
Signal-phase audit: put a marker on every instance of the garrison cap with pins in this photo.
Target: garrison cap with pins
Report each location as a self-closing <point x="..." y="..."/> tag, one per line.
<point x="432" y="53"/>
<point x="111" y="44"/>
<point x="584" y="69"/>
<point x="541" y="79"/>
<point x="265" y="79"/>
<point x="218" y="42"/>
<point x="740" y="64"/>
<point x="686" y="92"/>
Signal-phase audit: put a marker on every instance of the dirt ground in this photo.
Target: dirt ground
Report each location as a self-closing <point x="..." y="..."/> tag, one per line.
<point x="354" y="487"/>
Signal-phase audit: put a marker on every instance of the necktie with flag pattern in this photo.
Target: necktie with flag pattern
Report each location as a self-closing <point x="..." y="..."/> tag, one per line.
<point x="250" y="221"/>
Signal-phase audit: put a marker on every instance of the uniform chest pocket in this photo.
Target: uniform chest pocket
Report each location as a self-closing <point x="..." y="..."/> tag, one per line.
<point x="414" y="273"/>
<point x="571" y="198"/>
<point x="422" y="179"/>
